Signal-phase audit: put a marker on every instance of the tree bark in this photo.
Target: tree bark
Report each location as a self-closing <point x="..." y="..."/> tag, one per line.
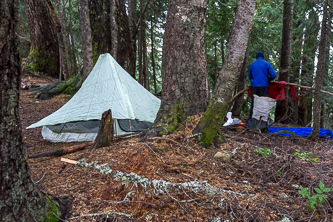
<point x="132" y="27"/>
<point x="308" y="58"/>
<point x="87" y="53"/>
<point x="140" y="59"/>
<point x="105" y="132"/>
<point x="20" y="200"/>
<point x="44" y="52"/>
<point x="99" y="13"/>
<point x="282" y="106"/>
<point x="320" y="73"/>
<point x="63" y="43"/>
<point x="208" y="127"/>
<point x="184" y="74"/>
<point x="237" y="106"/>
<point x="121" y="43"/>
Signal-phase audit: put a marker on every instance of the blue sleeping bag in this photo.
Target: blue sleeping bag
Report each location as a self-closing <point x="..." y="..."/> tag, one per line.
<point x="302" y="131"/>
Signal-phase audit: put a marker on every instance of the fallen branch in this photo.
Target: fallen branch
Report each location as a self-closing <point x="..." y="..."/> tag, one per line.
<point x="237" y="94"/>
<point x="167" y="139"/>
<point x="62" y="151"/>
<point x="72" y="149"/>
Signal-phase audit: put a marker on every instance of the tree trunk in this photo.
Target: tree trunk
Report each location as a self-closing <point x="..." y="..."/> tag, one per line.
<point x="184" y="74"/>
<point x="132" y="26"/>
<point x="152" y="54"/>
<point x="238" y="103"/>
<point x="72" y="40"/>
<point x="210" y="123"/>
<point x="87" y="54"/>
<point x="105" y="132"/>
<point x="145" y="59"/>
<point x="63" y="43"/>
<point x="121" y="43"/>
<point x="282" y="106"/>
<point x="308" y="58"/>
<point x="44" y="52"/>
<point x="140" y="61"/>
<point x="320" y="73"/>
<point x="20" y="200"/>
<point x="99" y="13"/>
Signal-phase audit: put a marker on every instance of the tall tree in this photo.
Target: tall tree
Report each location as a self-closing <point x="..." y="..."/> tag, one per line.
<point x="185" y="87"/>
<point x="217" y="109"/>
<point x="121" y="43"/>
<point x="44" y="52"/>
<point x="238" y="103"/>
<point x="320" y="73"/>
<point x="288" y="9"/>
<point x="20" y="200"/>
<point x="308" y="66"/>
<point x="132" y="27"/>
<point x="63" y="40"/>
<point x="99" y="12"/>
<point x="85" y="37"/>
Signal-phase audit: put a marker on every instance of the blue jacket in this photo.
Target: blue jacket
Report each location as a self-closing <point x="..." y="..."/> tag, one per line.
<point x="260" y="72"/>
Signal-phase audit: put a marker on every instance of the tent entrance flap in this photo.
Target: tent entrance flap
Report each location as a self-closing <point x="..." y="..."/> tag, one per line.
<point x="83" y="131"/>
<point x="90" y="126"/>
<point x="133" y="125"/>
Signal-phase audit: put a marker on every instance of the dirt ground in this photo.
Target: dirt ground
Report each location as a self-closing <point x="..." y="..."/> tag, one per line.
<point x="252" y="177"/>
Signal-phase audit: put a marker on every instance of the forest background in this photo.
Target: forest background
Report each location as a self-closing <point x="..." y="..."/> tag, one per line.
<point x="200" y="42"/>
<point x="57" y="42"/>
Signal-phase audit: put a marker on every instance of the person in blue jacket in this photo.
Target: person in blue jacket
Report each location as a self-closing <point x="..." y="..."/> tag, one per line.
<point x="260" y="73"/>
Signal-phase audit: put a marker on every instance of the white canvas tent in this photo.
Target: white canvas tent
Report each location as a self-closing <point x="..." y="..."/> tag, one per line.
<point x="108" y="86"/>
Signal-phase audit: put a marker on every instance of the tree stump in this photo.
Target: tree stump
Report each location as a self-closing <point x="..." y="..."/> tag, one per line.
<point x="105" y="132"/>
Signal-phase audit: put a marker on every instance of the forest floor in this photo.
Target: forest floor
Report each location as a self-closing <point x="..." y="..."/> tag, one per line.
<point x="254" y="177"/>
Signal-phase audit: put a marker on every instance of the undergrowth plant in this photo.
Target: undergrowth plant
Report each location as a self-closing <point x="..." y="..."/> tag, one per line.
<point x="265" y="152"/>
<point x="304" y="156"/>
<point x="315" y="199"/>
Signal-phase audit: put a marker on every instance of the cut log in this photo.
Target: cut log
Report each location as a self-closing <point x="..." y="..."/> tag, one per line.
<point x="62" y="151"/>
<point x="105" y="132"/>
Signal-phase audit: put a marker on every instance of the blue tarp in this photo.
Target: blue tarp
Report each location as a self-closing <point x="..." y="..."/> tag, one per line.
<point x="302" y="131"/>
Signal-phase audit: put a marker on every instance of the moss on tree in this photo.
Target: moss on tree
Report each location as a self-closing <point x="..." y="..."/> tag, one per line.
<point x="53" y="213"/>
<point x="39" y="62"/>
<point x="210" y="123"/>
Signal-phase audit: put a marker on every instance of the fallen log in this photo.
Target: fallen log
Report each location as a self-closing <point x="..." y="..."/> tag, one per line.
<point x="75" y="148"/>
<point x="62" y="151"/>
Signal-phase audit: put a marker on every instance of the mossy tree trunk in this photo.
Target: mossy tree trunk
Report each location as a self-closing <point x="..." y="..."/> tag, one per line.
<point x="99" y="12"/>
<point x="44" y="51"/>
<point x="208" y="127"/>
<point x="184" y="74"/>
<point x="20" y="200"/>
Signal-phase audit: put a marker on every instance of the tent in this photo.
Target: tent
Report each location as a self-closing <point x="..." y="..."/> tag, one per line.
<point x="108" y="86"/>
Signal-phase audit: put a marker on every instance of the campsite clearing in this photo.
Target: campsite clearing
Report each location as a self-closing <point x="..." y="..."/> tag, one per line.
<point x="175" y="179"/>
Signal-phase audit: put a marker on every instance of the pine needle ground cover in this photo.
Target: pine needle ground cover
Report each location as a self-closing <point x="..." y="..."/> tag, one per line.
<point x="252" y="177"/>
